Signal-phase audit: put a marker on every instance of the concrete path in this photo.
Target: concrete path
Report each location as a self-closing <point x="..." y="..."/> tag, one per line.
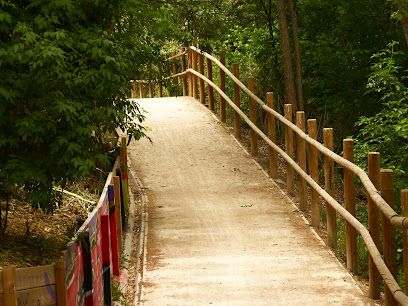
<point x="218" y="231"/>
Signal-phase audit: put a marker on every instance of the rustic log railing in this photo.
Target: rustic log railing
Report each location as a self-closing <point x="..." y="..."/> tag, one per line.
<point x="378" y="184"/>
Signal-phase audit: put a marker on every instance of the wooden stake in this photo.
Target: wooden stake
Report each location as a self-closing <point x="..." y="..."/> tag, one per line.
<point x="349" y="202"/>
<point x="191" y="76"/>
<point x="160" y="82"/>
<point x="141" y="90"/>
<point x="118" y="211"/>
<point x="184" y="66"/>
<point x="404" y="207"/>
<point x="210" y="89"/>
<point x="389" y="246"/>
<point x="329" y="185"/>
<point x="252" y="117"/>
<point x="124" y="174"/>
<point x="314" y="172"/>
<point x="175" y="79"/>
<point x="151" y="95"/>
<point x="374" y="225"/>
<point x="195" y="81"/>
<point x="289" y="147"/>
<point x="201" y="71"/>
<point x="273" y="156"/>
<point x="9" y="286"/>
<point x="237" y="102"/>
<point x="223" y="116"/>
<point x="60" y="286"/>
<point x="301" y="159"/>
<point x="133" y="92"/>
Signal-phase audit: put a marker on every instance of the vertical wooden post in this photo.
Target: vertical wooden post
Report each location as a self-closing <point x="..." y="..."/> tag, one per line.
<point x="252" y="117"/>
<point x="184" y="65"/>
<point x="191" y="76"/>
<point x="389" y="245"/>
<point x="314" y="172"/>
<point x="175" y="79"/>
<point x="349" y="202"/>
<point x="210" y="89"/>
<point x="404" y="207"/>
<point x="151" y="95"/>
<point x="273" y="156"/>
<point x="160" y="82"/>
<point x="201" y="70"/>
<point x="195" y="81"/>
<point x="289" y="147"/>
<point x="118" y="211"/>
<point x="60" y="286"/>
<point x="301" y="159"/>
<point x="9" y="286"/>
<point x="373" y="225"/>
<point x="133" y="93"/>
<point x="141" y="93"/>
<point x="223" y="116"/>
<point x="124" y="173"/>
<point x="329" y="185"/>
<point x="237" y="102"/>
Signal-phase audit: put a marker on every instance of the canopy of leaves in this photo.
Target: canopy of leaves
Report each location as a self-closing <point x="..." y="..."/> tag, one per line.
<point x="65" y="68"/>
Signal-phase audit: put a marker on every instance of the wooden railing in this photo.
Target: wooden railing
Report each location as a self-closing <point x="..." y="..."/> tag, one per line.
<point x="380" y="195"/>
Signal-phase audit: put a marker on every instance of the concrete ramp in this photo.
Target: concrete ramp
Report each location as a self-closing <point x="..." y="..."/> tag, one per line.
<point x="218" y="231"/>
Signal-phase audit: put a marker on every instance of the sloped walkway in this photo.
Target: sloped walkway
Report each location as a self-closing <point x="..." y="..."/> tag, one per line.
<point x="218" y="231"/>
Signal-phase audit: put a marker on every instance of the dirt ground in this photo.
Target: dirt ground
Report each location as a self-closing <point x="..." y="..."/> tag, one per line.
<point x="219" y="231"/>
<point x="34" y="237"/>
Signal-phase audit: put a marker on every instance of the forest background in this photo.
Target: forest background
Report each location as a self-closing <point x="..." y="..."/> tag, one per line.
<point x="65" y="69"/>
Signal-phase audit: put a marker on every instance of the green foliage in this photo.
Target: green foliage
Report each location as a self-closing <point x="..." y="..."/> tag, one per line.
<point x="387" y="131"/>
<point x="65" y="68"/>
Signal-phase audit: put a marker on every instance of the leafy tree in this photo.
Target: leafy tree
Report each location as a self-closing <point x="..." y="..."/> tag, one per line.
<point x="65" y="68"/>
<point x="387" y="131"/>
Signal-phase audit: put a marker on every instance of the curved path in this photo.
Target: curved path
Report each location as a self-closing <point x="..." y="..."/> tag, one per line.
<point x="218" y="231"/>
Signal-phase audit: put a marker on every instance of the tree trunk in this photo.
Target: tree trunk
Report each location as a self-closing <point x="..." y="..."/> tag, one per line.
<point x="404" y="20"/>
<point x="286" y="54"/>
<point x="298" y="61"/>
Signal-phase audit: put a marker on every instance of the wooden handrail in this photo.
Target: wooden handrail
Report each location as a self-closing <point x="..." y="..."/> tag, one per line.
<point x="389" y="213"/>
<point x="385" y="273"/>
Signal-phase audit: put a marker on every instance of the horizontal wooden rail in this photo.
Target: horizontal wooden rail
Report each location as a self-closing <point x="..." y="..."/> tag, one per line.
<point x="383" y="270"/>
<point x="175" y="56"/>
<point x="373" y="193"/>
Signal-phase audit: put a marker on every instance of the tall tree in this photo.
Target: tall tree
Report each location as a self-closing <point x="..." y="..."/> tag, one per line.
<point x="290" y="93"/>
<point x="298" y="60"/>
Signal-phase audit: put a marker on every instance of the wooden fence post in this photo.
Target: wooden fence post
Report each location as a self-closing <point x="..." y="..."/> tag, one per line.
<point x="223" y="116"/>
<point x="141" y="92"/>
<point x="151" y="95"/>
<point x="60" y="286"/>
<point x="124" y="174"/>
<point x="329" y="185"/>
<point x="195" y="81"/>
<point x="118" y="211"/>
<point x="191" y="76"/>
<point x="9" y="286"/>
<point x="273" y="156"/>
<point x="252" y="117"/>
<point x="201" y="70"/>
<point x="175" y="79"/>
<point x="349" y="202"/>
<point x="301" y="159"/>
<point x="373" y="225"/>
<point x="133" y="92"/>
<point x="160" y="82"/>
<point x="404" y="207"/>
<point x="210" y="89"/>
<point x="237" y="102"/>
<point x="389" y="245"/>
<point x="314" y="172"/>
<point x="288" y="110"/>
<point x="184" y="65"/>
